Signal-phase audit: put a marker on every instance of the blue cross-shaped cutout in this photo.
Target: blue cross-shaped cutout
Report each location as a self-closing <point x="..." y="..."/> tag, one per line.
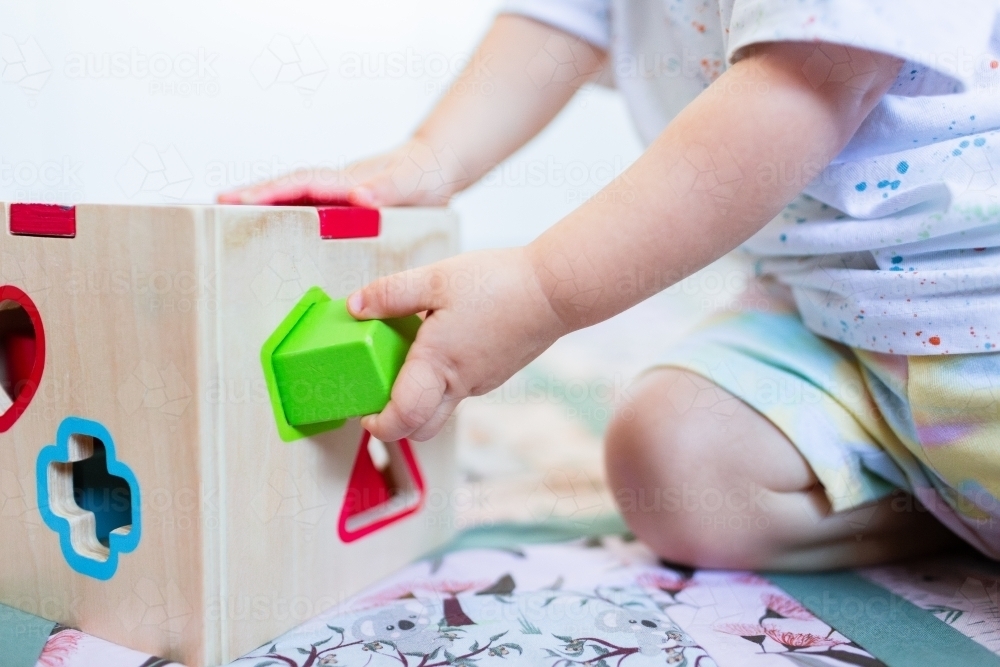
<point x="116" y="525"/>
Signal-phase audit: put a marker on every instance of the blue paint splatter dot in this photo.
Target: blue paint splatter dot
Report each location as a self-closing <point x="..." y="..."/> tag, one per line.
<point x="979" y="142"/>
<point x="896" y="268"/>
<point x="860" y="187"/>
<point x="956" y="152"/>
<point x="894" y="185"/>
<point x="783" y="237"/>
<point x="988" y="345"/>
<point x="883" y="184"/>
<point x="896" y="259"/>
<point x="902" y="167"/>
<point x="964" y="144"/>
<point x="800" y="220"/>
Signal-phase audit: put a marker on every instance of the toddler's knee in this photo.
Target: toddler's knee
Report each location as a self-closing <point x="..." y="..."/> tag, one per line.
<point x="651" y="446"/>
<point x="664" y="470"/>
<point x="678" y="517"/>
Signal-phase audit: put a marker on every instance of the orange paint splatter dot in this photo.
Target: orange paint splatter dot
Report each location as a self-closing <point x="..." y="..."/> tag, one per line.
<point x="994" y="64"/>
<point x="934" y="340"/>
<point x="700" y="27"/>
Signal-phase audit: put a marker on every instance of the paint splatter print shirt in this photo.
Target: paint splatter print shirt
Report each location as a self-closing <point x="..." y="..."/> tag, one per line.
<point x="895" y="246"/>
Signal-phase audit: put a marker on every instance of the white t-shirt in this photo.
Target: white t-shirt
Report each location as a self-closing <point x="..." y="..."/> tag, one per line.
<point x="895" y="247"/>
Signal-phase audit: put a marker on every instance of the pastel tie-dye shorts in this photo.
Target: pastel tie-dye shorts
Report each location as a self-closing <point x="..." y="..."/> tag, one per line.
<point x="868" y="423"/>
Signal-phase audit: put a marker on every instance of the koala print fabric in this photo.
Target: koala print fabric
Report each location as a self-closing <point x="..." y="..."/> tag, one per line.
<point x="596" y="601"/>
<point x="602" y="601"/>
<point x="406" y="626"/>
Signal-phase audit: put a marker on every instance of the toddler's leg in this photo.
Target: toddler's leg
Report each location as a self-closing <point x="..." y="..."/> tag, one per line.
<point x="707" y="481"/>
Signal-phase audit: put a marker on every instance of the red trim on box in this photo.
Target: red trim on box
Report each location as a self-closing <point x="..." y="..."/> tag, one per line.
<point x="368" y="488"/>
<point x="43" y="220"/>
<point x="34" y="376"/>
<point x="348" y="222"/>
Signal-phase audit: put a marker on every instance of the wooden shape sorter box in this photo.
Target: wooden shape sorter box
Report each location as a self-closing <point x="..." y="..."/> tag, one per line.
<point x="145" y="494"/>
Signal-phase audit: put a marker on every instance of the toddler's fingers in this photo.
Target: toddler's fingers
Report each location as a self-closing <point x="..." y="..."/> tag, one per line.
<point x="231" y="197"/>
<point x="319" y="186"/>
<point x="435" y="423"/>
<point x="416" y="396"/>
<point x="386" y="425"/>
<point x="400" y="294"/>
<point x="394" y="187"/>
<point x="377" y="191"/>
<point x="263" y="193"/>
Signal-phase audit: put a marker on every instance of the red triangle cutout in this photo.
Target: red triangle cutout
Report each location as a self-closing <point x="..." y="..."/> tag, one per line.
<point x="368" y="489"/>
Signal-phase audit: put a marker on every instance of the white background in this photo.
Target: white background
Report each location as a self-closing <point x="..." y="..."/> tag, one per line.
<point x="113" y="101"/>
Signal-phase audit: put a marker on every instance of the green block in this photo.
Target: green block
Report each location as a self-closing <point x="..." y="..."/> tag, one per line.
<point x="322" y="366"/>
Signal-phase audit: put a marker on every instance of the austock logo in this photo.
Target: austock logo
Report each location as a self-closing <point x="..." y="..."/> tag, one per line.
<point x="17" y="492"/>
<point x="295" y="63"/>
<point x="571" y="495"/>
<point x="176" y="74"/>
<point x="150" y="171"/>
<point x="163" y="390"/>
<point x="23" y="64"/>
<point x="296" y="498"/>
<point x="27" y="273"/>
<point x="149" y="604"/>
<point x="285" y="278"/>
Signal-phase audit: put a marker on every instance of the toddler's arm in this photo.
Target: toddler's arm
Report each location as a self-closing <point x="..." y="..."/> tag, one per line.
<point x="501" y="100"/>
<point x="720" y="171"/>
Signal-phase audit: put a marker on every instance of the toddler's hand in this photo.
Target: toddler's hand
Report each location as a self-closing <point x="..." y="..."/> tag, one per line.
<point x="415" y="174"/>
<point x="487" y="317"/>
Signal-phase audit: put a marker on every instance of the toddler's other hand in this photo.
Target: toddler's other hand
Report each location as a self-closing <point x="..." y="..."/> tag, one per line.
<point x="415" y="174"/>
<point x="487" y="317"/>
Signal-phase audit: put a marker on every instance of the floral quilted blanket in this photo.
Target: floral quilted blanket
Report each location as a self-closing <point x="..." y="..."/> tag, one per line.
<point x="604" y="602"/>
<point x="600" y="601"/>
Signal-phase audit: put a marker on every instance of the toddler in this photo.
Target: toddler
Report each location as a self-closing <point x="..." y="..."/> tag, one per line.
<point x="852" y="149"/>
